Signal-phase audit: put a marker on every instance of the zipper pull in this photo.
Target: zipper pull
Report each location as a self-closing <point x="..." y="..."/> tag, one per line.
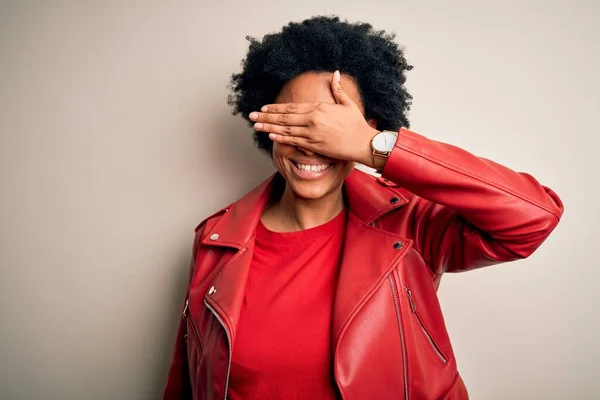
<point x="185" y="308"/>
<point x="410" y="299"/>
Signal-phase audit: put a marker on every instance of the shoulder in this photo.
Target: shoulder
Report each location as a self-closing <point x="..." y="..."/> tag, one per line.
<point x="212" y="219"/>
<point x="397" y="189"/>
<point x="207" y="223"/>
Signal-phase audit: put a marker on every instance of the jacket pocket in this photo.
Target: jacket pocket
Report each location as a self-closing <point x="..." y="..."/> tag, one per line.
<point x="432" y="343"/>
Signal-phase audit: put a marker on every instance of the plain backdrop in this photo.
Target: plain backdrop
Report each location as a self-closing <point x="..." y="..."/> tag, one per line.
<point x="116" y="141"/>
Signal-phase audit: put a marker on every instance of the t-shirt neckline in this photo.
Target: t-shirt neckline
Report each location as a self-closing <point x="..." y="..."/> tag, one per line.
<point x="329" y="228"/>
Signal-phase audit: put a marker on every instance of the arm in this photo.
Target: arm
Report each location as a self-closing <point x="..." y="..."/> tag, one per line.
<point x="471" y="212"/>
<point x="178" y="385"/>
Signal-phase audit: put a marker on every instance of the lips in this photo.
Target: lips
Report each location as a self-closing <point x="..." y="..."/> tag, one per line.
<point x="312" y="167"/>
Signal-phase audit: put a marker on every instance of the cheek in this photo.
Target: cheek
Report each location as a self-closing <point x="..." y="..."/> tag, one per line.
<point x="280" y="153"/>
<point x="347" y="169"/>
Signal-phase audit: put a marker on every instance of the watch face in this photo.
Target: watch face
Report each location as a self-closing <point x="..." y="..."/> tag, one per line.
<point x="384" y="141"/>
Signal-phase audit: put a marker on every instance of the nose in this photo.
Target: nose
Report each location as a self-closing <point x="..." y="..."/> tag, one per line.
<point x="307" y="152"/>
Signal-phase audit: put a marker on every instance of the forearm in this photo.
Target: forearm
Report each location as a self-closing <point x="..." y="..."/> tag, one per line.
<point x="512" y="208"/>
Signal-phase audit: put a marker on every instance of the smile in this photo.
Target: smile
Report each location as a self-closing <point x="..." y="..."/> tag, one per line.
<point x="311" y="168"/>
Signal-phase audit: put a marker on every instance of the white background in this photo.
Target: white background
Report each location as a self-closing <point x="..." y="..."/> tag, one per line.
<point x="116" y="141"/>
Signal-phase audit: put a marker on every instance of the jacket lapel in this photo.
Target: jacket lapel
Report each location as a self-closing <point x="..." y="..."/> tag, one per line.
<point x="368" y="257"/>
<point x="369" y="253"/>
<point x="236" y="229"/>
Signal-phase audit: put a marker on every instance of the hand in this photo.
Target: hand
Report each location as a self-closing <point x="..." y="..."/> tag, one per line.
<point x="338" y="131"/>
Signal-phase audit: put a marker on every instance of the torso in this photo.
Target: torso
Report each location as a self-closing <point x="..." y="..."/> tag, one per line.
<point x="283" y="343"/>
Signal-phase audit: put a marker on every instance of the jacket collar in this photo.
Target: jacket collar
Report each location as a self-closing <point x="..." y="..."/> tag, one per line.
<point x="367" y="198"/>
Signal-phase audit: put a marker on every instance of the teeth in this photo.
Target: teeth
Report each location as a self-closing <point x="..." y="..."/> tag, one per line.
<point x="313" y="168"/>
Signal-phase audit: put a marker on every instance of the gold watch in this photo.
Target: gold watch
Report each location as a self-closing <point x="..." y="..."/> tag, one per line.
<point x="382" y="145"/>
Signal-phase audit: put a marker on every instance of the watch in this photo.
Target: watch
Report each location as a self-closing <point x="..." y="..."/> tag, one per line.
<point x="382" y="145"/>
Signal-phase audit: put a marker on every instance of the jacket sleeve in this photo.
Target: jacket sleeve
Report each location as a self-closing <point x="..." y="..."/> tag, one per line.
<point x="469" y="212"/>
<point x="178" y="385"/>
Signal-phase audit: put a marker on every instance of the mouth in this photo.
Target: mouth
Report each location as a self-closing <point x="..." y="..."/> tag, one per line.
<point x="306" y="171"/>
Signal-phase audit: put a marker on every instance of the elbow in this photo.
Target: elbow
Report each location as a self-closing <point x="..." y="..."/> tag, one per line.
<point x="555" y="206"/>
<point x="546" y="219"/>
<point x="544" y="225"/>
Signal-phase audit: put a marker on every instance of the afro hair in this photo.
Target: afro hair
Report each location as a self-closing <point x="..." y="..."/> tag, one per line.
<point x="325" y="44"/>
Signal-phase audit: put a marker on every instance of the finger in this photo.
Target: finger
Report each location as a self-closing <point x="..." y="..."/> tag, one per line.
<point x="291" y="140"/>
<point x="281" y="119"/>
<point x="341" y="97"/>
<point x="289" y="108"/>
<point x="299" y="131"/>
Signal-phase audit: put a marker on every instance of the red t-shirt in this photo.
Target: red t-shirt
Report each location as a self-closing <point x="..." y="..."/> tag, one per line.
<point x="283" y="348"/>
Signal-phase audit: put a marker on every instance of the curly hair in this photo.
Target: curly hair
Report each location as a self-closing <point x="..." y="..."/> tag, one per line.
<point x="325" y="44"/>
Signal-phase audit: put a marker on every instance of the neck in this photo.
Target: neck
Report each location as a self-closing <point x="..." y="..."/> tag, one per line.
<point x="293" y="213"/>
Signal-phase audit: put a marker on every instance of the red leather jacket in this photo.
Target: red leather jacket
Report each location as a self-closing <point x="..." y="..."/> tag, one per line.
<point x="439" y="209"/>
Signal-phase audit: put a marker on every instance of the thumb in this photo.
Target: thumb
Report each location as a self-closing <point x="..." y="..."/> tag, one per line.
<point x="340" y="95"/>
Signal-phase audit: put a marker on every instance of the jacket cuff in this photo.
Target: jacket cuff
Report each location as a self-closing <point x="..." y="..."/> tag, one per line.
<point x="395" y="163"/>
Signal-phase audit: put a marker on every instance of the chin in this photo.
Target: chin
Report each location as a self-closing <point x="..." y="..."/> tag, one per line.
<point x="312" y="190"/>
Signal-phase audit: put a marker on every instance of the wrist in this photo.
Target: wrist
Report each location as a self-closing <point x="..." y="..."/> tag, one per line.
<point x="381" y="144"/>
<point x="379" y="162"/>
<point x="367" y="157"/>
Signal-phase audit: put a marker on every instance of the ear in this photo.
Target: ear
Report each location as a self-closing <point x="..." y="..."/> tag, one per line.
<point x="372" y="123"/>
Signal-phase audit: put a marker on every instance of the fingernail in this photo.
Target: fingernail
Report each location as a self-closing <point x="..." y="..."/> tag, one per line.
<point x="337" y="76"/>
<point x="258" y="125"/>
<point x="272" y="136"/>
<point x="253" y="115"/>
<point x="264" y="109"/>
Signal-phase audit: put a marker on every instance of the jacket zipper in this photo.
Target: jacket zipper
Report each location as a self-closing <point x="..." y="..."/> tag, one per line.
<point x="186" y="314"/>
<point x="228" y="344"/>
<point x="187" y="304"/>
<point x="404" y="366"/>
<point x="427" y="335"/>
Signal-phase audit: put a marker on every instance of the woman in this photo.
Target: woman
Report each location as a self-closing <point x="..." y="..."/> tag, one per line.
<point x="321" y="282"/>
